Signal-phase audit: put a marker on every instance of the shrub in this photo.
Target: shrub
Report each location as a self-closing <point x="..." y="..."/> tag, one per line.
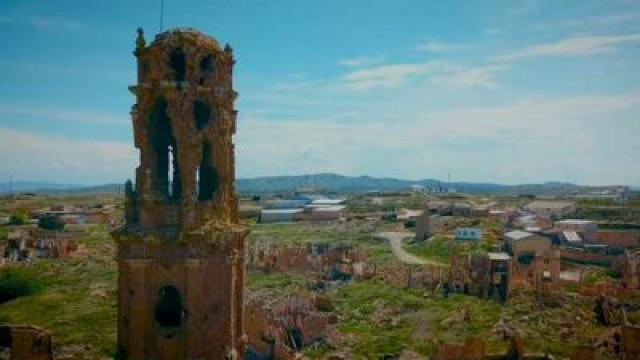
<point x="15" y="283"/>
<point x="50" y="222"/>
<point x="19" y="218"/>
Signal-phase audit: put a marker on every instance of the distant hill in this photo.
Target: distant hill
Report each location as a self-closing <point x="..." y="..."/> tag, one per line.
<point x="330" y="182"/>
<point x="350" y="184"/>
<point x="52" y="188"/>
<point x="22" y="186"/>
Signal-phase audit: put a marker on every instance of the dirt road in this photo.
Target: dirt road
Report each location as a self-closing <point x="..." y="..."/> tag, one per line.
<point x="395" y="240"/>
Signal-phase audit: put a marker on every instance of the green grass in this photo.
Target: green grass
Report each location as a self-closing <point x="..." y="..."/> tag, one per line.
<point x="387" y="320"/>
<point x="16" y="282"/>
<point x="594" y="277"/>
<point x="77" y="303"/>
<point x="354" y="233"/>
<point x="377" y="319"/>
<point x="436" y="249"/>
<point x="277" y="281"/>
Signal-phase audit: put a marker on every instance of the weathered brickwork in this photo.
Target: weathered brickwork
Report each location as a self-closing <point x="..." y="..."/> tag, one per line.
<point x="26" y="342"/>
<point x="181" y="252"/>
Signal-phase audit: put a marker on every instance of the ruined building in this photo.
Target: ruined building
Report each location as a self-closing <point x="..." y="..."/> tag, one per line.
<point x="631" y="271"/>
<point x="181" y="251"/>
<point x="483" y="275"/>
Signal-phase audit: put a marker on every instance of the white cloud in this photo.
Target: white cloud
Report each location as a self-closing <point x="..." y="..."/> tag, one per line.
<point x="492" y="31"/>
<point x="385" y="76"/>
<point x="31" y="156"/>
<point x="55" y="23"/>
<point x="62" y="114"/>
<point x="589" y="22"/>
<point x="530" y="140"/>
<point x="587" y="139"/>
<point x="464" y="78"/>
<point x="573" y="46"/>
<point x="361" y="61"/>
<point x="448" y="74"/>
<point x="436" y="46"/>
<point x="46" y="23"/>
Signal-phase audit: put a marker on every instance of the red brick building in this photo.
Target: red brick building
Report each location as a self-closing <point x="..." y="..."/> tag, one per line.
<point x="181" y="251"/>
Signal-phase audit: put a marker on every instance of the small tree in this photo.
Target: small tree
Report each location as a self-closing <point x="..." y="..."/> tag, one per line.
<point x="50" y="222"/>
<point x="19" y="218"/>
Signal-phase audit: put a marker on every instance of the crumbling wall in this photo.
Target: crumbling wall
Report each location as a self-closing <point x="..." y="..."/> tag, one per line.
<point x="585" y="352"/>
<point x="471" y="349"/>
<point x="337" y="261"/>
<point x="618" y="238"/>
<point x="631" y="271"/>
<point x="630" y="339"/>
<point x="26" y="342"/>
<point x="182" y="251"/>
<point x="278" y="328"/>
<point x="542" y="273"/>
<point x="586" y="258"/>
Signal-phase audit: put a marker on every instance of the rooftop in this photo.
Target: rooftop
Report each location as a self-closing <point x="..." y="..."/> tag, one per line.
<point x="185" y="35"/>
<point x="498" y="256"/>
<point x="549" y="204"/>
<point x="572" y="236"/>
<point x="281" y="211"/>
<point x="518" y="234"/>
<point x="575" y="222"/>
<point x="328" y="201"/>
<point x="329" y="208"/>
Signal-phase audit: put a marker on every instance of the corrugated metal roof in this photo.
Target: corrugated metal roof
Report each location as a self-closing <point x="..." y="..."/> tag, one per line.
<point x="518" y="234"/>
<point x="575" y="222"/>
<point x="330" y="208"/>
<point x="572" y="236"/>
<point x="281" y="211"/>
<point x="499" y="256"/>
<point x="328" y="202"/>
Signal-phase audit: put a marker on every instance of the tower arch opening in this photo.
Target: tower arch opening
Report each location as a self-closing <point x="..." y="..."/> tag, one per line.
<point x="207" y="175"/>
<point x="166" y="175"/>
<point x="201" y="114"/>
<point x="178" y="64"/>
<point x="169" y="309"/>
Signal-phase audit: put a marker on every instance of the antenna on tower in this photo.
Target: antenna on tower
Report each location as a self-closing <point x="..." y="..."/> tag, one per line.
<point x="161" y="14"/>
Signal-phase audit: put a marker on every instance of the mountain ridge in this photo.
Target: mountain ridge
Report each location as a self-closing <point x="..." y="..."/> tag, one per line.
<point x="327" y="181"/>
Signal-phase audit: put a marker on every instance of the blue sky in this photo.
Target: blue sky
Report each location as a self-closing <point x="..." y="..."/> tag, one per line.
<point x="491" y="91"/>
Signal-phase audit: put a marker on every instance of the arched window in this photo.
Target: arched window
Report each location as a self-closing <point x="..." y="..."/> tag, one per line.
<point x="166" y="179"/>
<point x="207" y="175"/>
<point x="201" y="114"/>
<point x="207" y="68"/>
<point x="177" y="62"/>
<point x="169" y="310"/>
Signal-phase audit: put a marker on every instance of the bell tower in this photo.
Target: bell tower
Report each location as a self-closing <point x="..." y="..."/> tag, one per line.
<point x="181" y="251"/>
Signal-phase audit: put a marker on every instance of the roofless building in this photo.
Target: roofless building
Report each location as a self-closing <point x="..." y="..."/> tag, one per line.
<point x="181" y="252"/>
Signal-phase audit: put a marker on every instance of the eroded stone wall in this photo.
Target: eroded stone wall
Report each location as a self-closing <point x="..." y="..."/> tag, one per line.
<point x="181" y="255"/>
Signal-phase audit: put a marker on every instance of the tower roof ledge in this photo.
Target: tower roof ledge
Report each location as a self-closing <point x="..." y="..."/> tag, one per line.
<point x="185" y="36"/>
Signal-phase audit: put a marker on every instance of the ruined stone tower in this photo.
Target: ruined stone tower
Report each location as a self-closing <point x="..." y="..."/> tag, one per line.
<point x="181" y="252"/>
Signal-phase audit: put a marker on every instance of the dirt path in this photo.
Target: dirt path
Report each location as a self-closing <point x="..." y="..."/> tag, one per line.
<point x="395" y="240"/>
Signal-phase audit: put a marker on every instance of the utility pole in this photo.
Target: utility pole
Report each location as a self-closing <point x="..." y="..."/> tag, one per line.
<point x="161" y="15"/>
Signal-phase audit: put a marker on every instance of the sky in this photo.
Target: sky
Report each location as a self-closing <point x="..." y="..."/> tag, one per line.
<point x="487" y="91"/>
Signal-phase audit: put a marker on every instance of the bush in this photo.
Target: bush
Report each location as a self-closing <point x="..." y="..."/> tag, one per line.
<point x="15" y="283"/>
<point x="20" y="218"/>
<point x="50" y="222"/>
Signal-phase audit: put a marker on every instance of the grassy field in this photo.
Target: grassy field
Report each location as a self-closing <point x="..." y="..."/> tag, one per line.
<point x="436" y="249"/>
<point x="378" y="319"/>
<point x="358" y="233"/>
<point x="77" y="302"/>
